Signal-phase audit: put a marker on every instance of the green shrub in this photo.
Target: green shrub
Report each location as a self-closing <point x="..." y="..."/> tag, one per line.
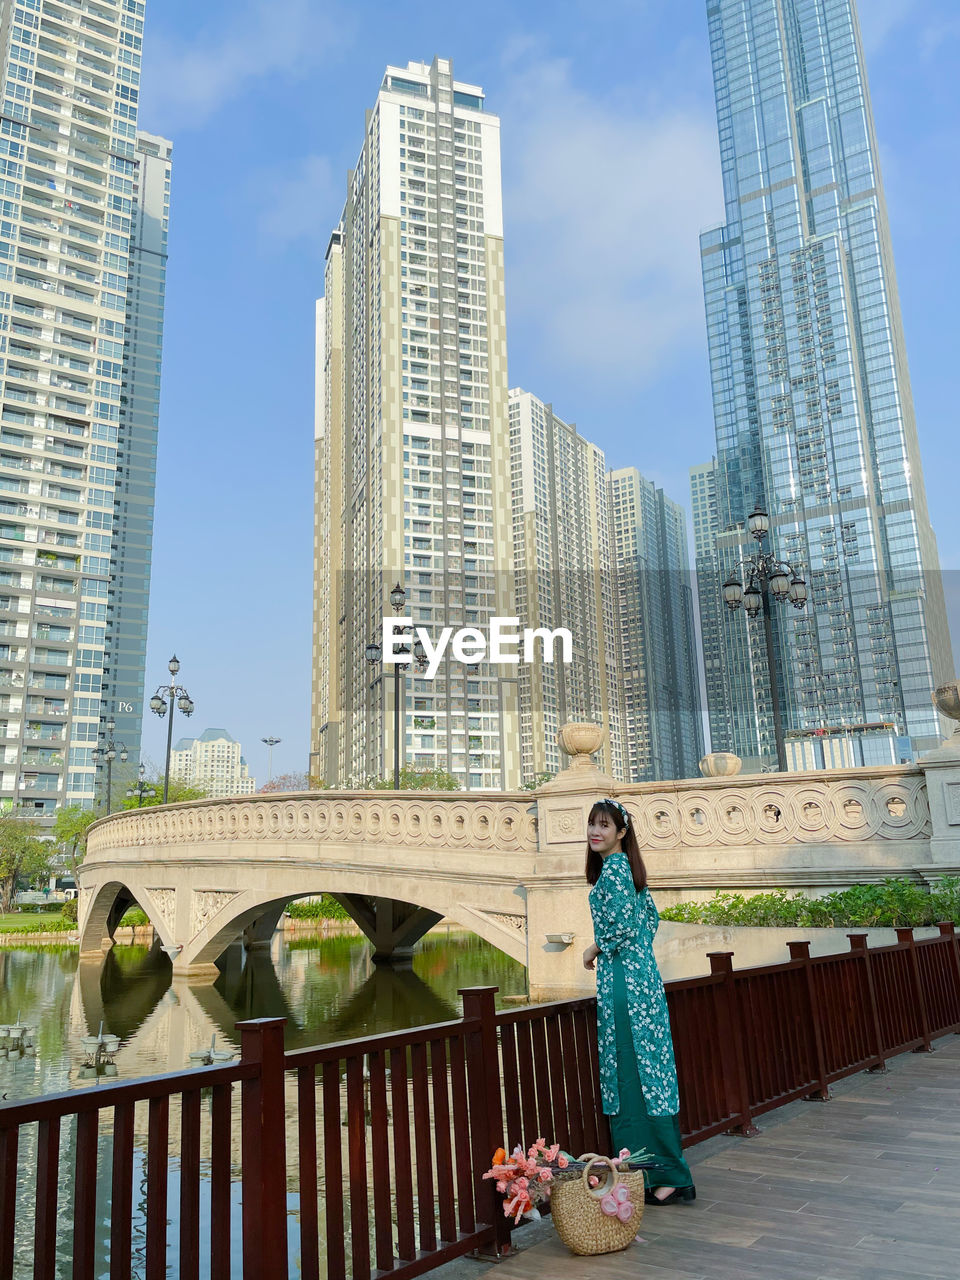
<point x="327" y="908"/>
<point x="69" y="910"/>
<point x="133" y="917"/>
<point x="892" y="903"/>
<point x="40" y="926"/>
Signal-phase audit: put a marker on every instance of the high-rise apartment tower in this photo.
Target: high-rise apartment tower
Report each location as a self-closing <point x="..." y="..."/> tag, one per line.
<point x="565" y="578"/>
<point x="413" y="450"/>
<point x="84" y="203"/>
<point x="653" y="594"/>
<point x="812" y="402"/>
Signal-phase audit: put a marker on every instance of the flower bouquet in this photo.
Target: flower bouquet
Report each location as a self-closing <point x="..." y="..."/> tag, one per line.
<point x="526" y="1180"/>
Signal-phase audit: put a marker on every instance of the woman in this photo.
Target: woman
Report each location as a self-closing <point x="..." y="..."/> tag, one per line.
<point x="638" y="1077"/>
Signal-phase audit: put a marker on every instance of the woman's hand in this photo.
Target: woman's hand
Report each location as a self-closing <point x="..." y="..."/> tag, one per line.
<point x="590" y="955"/>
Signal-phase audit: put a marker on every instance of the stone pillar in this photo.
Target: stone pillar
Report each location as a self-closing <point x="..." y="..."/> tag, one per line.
<point x="942" y="771"/>
<point x="557" y="904"/>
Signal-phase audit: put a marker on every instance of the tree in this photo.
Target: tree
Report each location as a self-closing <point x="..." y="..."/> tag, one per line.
<point x="23" y="856"/>
<point x="69" y="831"/>
<point x="293" y="782"/>
<point x="179" y="793"/>
<point x="533" y="783"/>
<point x="417" y="780"/>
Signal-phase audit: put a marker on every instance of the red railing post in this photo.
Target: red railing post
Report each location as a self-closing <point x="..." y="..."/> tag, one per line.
<point x="732" y="1059"/>
<point x="801" y="951"/>
<point x="905" y="938"/>
<point x="948" y="930"/>
<point x="483" y="1084"/>
<point x="858" y="945"/>
<point x="263" y="1151"/>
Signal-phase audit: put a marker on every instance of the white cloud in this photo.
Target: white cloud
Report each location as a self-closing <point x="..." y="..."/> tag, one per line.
<point x="604" y="201"/>
<point x="299" y="206"/>
<point x="187" y="80"/>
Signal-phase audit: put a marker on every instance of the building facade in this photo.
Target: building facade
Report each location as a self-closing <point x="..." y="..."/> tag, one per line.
<point x="564" y="578"/>
<point x="83" y="225"/>
<point x="811" y="389"/>
<point x="213" y="762"/>
<point x="658" y="654"/>
<point x="706" y="528"/>
<point x="412" y="438"/>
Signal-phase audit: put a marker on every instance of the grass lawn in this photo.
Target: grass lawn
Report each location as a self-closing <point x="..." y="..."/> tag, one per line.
<point x="20" y="919"/>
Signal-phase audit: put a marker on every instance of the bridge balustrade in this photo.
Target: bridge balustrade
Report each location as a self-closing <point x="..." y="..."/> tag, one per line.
<point x="365" y="1157"/>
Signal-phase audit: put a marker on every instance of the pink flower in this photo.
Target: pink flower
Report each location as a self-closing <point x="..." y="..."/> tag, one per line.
<point x="621" y="1193"/>
<point x="625" y="1211"/>
<point x="522" y="1183"/>
<point x="594" y="1180"/>
<point x="501" y="1185"/>
<point x="553" y="1152"/>
<point x="562" y="1162"/>
<point x="546" y="1175"/>
<point x="609" y="1205"/>
<point x="624" y="1153"/>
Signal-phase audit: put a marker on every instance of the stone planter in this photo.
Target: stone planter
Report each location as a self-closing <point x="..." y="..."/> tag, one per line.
<point x="720" y="764"/>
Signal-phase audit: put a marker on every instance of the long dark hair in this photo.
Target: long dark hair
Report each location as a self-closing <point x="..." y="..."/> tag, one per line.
<point x="620" y="819"/>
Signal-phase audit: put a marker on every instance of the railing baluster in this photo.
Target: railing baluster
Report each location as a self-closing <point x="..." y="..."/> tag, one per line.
<point x="441" y="1129"/>
<point x="380" y="1149"/>
<point x="121" y="1199"/>
<point x="158" y="1141"/>
<point x="190" y="1185"/>
<point x="424" y="1150"/>
<point x="9" y="1144"/>
<point x="307" y="1163"/>
<point x="85" y="1196"/>
<point x="221" y="1128"/>
<point x="461" y="1125"/>
<point x="357" y="1165"/>
<point x="528" y="1086"/>
<point x="402" y="1163"/>
<point x="567" y="1063"/>
<point x="333" y="1188"/>
<point x="510" y="1072"/>
<point x="559" y="1130"/>
<point x="48" y="1183"/>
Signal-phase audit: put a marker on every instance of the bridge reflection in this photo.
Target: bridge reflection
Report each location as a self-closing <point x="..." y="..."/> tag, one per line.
<point x="160" y="1018"/>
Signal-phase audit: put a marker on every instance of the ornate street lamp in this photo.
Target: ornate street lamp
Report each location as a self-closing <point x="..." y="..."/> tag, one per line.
<point x="751" y="586"/>
<point x="174" y="694"/>
<point x="140" y="788"/>
<point x="373" y="654"/>
<point x="107" y="751"/>
<point x="270" y="743"/>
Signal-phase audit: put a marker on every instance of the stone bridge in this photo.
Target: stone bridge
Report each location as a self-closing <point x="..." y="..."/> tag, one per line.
<point x="507" y="866"/>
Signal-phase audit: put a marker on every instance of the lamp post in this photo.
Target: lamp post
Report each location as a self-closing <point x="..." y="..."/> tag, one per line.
<point x="107" y="750"/>
<point x="140" y="788"/>
<point x="177" y="696"/>
<point x="270" y="744"/>
<point x="764" y="575"/>
<point x="374" y="654"/>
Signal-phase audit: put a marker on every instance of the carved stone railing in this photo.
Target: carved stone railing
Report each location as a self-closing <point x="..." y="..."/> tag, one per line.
<point x="846" y="806"/>
<point x="503" y="823"/>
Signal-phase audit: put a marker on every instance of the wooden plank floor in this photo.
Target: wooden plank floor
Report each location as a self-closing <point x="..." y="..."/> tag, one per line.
<point x="863" y="1187"/>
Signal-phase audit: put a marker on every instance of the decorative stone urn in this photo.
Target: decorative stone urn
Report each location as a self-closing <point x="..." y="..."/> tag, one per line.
<point x="579" y="740"/>
<point x="947" y="701"/>
<point x="720" y="764"/>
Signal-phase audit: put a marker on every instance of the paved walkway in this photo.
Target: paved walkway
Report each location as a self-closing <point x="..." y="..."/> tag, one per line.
<point x="864" y="1187"/>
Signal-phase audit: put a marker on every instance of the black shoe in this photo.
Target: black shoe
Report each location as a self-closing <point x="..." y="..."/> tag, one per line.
<point x="677" y="1196"/>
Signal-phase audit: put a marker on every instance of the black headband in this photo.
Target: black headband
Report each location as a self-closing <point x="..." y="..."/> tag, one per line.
<point x="617" y="805"/>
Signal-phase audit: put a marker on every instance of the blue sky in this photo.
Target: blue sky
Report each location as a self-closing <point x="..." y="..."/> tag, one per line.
<point x="610" y="170"/>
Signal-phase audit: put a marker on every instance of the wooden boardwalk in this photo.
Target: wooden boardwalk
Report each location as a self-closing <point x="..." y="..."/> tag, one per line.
<point x="863" y="1187"/>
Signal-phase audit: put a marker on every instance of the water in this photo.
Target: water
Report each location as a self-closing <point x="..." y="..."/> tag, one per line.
<point x="327" y="988"/>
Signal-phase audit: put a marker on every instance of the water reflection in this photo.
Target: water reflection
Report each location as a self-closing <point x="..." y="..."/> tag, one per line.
<point x="326" y="987"/>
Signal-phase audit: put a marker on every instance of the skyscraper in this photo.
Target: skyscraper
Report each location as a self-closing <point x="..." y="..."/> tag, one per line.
<point x="214" y="763"/>
<point x="83" y="229"/>
<point x="565" y="578"/>
<point x="703" y="502"/>
<point x="413" y="451"/>
<point x="658" y="656"/>
<point x="812" y="401"/>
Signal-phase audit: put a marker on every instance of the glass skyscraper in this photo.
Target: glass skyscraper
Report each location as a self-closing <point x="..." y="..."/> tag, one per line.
<point x="812" y="402"/>
<point x="84" y="200"/>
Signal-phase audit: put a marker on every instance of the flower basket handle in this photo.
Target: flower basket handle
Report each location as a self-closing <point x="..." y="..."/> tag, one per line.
<point x="610" y="1169"/>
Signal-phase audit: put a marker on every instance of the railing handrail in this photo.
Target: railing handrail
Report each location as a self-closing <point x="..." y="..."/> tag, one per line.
<point x="314" y="1054"/>
<point x="54" y="1106"/>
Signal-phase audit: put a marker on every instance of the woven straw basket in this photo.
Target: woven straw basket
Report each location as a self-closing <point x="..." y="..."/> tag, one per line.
<point x="580" y="1221"/>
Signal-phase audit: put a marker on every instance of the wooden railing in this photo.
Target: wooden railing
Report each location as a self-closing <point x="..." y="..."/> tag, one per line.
<point x="367" y="1155"/>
